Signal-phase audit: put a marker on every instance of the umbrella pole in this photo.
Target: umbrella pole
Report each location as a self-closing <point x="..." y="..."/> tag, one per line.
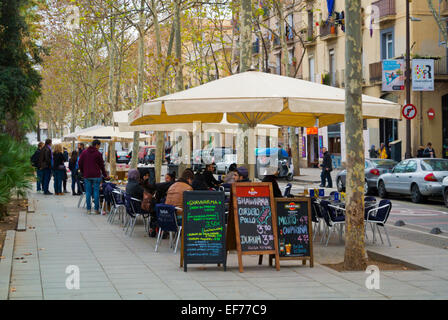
<point x="249" y="148"/>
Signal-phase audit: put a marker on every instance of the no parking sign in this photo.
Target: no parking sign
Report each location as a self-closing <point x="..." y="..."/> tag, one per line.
<point x="409" y="111"/>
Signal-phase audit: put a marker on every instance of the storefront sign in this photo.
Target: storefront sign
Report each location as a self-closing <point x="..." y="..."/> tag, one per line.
<point x="422" y="75"/>
<point x="311" y="131"/>
<point x="431" y="114"/>
<point x="393" y="75"/>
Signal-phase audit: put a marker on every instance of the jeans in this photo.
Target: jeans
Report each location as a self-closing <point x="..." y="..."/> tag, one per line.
<point x="325" y="175"/>
<point x="75" y="181"/>
<point x="58" y="176"/>
<point x="46" y="173"/>
<point x="40" y="179"/>
<point x="92" y="184"/>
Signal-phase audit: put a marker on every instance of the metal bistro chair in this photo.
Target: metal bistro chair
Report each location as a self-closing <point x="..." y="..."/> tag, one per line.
<point x="316" y="217"/>
<point x="134" y="210"/>
<point x="287" y="192"/>
<point x="118" y="205"/>
<point x="333" y="219"/>
<point x="107" y="195"/>
<point x="167" y="222"/>
<point x="377" y="217"/>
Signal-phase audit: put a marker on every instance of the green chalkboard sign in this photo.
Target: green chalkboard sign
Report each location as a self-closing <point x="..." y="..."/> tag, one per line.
<point x="204" y="228"/>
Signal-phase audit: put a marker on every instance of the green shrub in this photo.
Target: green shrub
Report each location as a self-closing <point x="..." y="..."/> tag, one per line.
<point x="15" y="170"/>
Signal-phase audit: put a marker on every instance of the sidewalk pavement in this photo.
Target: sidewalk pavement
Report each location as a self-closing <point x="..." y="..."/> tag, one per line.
<point x="115" y="266"/>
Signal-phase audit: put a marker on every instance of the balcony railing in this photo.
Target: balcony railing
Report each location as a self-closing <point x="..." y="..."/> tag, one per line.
<point x="328" y="30"/>
<point x="386" y="8"/>
<point x="375" y="71"/>
<point x="441" y="66"/>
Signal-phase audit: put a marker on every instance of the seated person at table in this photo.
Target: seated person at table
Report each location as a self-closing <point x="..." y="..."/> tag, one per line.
<point x="148" y="205"/>
<point x="209" y="177"/>
<point x="133" y="188"/>
<point x="162" y="187"/>
<point x="175" y="194"/>
<point x="243" y="175"/>
<point x="232" y="175"/>
<point x="199" y="182"/>
<point x="272" y="174"/>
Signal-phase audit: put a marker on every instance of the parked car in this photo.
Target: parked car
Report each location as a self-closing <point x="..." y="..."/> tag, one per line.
<point x="123" y="157"/>
<point x="215" y="155"/>
<point x="445" y="190"/>
<point x="223" y="166"/>
<point x="143" y="152"/>
<point x="420" y="178"/>
<point x="373" y="168"/>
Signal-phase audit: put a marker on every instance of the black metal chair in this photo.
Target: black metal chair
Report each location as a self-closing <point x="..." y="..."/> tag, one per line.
<point x="377" y="217"/>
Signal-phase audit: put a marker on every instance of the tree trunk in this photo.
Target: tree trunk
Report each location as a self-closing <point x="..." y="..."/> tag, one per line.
<point x="141" y="65"/>
<point x="355" y="255"/>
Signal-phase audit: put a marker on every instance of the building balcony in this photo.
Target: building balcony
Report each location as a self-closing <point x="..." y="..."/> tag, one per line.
<point x="386" y="9"/>
<point x="310" y="41"/>
<point x="328" y="31"/>
<point x="441" y="67"/>
<point x="375" y="71"/>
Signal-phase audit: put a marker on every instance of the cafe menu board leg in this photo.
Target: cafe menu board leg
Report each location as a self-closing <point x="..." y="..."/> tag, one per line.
<point x="294" y="229"/>
<point x="254" y="221"/>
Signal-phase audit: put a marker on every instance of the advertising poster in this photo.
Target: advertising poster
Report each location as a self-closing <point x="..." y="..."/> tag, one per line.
<point x="393" y="75"/>
<point x="422" y="75"/>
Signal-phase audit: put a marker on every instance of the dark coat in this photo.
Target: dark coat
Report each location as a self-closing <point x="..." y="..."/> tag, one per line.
<point x="91" y="163"/>
<point x="427" y="153"/>
<point x="327" y="163"/>
<point x="35" y="158"/>
<point x="58" y="159"/>
<point x="210" y="180"/>
<point x="275" y="188"/>
<point x="162" y="189"/>
<point x="373" y="154"/>
<point x="199" y="183"/>
<point x="45" y="158"/>
<point x="134" y="189"/>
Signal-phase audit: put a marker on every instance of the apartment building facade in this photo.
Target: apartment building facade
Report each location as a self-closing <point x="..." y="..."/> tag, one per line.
<point x="321" y="55"/>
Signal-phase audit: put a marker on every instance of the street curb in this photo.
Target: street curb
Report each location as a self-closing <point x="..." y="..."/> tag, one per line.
<point x="21" y="224"/>
<point x="6" y="264"/>
<point x="31" y="205"/>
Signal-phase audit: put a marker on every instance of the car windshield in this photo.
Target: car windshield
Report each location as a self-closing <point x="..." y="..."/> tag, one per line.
<point x="384" y="163"/>
<point x="435" y="165"/>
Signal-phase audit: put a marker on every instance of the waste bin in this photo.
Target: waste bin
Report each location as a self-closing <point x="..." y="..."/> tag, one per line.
<point x="395" y="150"/>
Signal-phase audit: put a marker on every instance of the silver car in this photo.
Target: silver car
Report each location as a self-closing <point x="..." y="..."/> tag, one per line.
<point x="373" y="168"/>
<point x="445" y="190"/>
<point x="420" y="178"/>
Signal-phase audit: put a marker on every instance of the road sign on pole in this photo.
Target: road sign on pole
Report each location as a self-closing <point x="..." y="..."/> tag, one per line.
<point x="409" y="111"/>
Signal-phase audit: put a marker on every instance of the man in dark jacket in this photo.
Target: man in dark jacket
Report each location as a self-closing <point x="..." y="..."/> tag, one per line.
<point x="209" y="177"/>
<point x="91" y="165"/>
<point x="429" y="152"/>
<point x="327" y="167"/>
<point x="46" y="164"/>
<point x="35" y="163"/>
<point x="273" y="179"/>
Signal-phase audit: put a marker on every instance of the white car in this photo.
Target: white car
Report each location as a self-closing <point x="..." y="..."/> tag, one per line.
<point x="445" y="190"/>
<point x="223" y="166"/>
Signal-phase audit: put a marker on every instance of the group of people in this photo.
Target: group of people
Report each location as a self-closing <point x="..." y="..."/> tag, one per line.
<point x="85" y="164"/>
<point x="384" y="152"/>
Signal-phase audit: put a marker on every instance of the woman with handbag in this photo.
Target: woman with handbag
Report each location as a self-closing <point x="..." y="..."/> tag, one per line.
<point x="58" y="169"/>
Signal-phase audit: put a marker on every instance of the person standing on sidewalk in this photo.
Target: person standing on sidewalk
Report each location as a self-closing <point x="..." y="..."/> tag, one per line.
<point x="73" y="166"/>
<point x="35" y="163"/>
<point x="46" y="164"/>
<point x="91" y="165"/>
<point x="58" y="169"/>
<point x="429" y="151"/>
<point x="327" y="167"/>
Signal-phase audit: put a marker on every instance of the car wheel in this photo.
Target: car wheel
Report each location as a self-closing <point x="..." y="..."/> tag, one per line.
<point x="339" y="185"/>
<point x="366" y="188"/>
<point x="445" y="197"/>
<point x="382" y="190"/>
<point x="416" y="196"/>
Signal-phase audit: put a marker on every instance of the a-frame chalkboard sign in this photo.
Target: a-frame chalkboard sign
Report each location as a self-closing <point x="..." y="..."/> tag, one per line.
<point x="253" y="221"/>
<point x="294" y="235"/>
<point x="204" y="228"/>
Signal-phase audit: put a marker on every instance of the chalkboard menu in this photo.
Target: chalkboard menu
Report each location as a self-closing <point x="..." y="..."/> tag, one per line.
<point x="204" y="228"/>
<point x="254" y="219"/>
<point x="294" y="228"/>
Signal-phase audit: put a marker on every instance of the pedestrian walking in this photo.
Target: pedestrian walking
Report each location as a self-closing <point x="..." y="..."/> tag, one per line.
<point x="35" y="163"/>
<point x="373" y="154"/>
<point x="429" y="151"/>
<point x="73" y="166"/>
<point x="46" y="164"/>
<point x="383" y="151"/>
<point x="91" y="166"/>
<point x="58" y="169"/>
<point x="327" y="167"/>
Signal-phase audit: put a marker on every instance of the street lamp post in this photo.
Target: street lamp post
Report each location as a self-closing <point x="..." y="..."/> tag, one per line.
<point x="408" y="81"/>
